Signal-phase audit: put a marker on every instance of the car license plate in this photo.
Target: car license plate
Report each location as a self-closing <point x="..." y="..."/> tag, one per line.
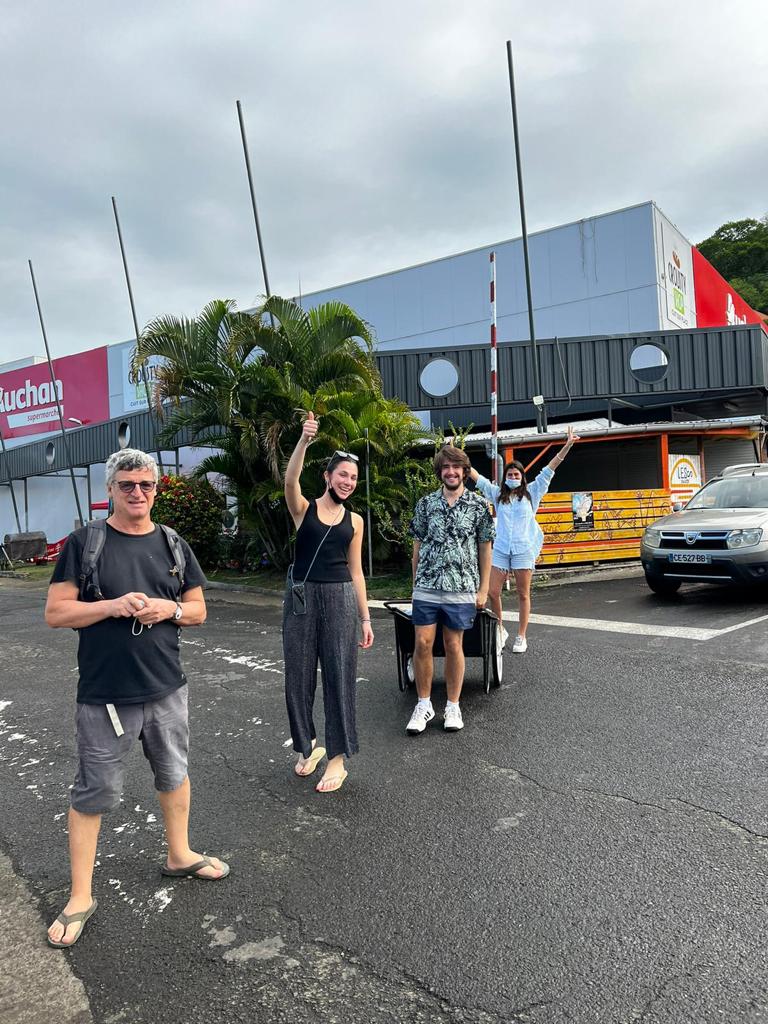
<point x="690" y="556"/>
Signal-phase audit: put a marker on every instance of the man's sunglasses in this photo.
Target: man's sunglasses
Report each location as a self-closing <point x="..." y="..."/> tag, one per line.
<point x="127" y="486"/>
<point x="345" y="455"/>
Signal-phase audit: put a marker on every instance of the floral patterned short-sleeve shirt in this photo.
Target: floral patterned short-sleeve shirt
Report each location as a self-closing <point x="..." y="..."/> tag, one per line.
<point x="449" y="536"/>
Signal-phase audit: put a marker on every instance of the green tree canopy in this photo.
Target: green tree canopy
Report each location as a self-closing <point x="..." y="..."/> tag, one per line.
<point x="739" y="251"/>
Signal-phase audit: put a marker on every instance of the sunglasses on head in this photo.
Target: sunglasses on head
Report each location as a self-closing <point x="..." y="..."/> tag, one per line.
<point x="127" y="486"/>
<point x="345" y="455"/>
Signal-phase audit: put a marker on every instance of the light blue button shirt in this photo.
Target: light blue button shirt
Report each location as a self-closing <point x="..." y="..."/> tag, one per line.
<point x="517" y="531"/>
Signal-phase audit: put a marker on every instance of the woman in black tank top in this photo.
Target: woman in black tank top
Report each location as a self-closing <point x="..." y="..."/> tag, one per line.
<point x="325" y="613"/>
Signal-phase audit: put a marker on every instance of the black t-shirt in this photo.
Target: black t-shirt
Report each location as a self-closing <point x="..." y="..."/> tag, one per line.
<point x="115" y="666"/>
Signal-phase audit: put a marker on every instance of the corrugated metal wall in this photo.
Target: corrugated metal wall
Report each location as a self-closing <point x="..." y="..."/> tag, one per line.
<point x="87" y="446"/>
<point x="720" y="452"/>
<point x="714" y="359"/>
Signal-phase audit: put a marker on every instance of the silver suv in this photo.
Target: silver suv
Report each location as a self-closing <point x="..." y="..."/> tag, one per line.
<point x="720" y="536"/>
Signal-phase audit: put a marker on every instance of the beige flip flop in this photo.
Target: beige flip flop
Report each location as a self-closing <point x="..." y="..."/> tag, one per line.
<point x="68" y="919"/>
<point x="311" y="762"/>
<point x="337" y="781"/>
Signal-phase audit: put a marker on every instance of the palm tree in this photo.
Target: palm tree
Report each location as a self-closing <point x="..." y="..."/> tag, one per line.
<point x="237" y="372"/>
<point x="239" y="383"/>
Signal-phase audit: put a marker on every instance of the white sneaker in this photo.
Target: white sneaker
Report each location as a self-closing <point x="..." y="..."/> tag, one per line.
<point x="452" y="720"/>
<point x="503" y="636"/>
<point x="520" y="646"/>
<point x="419" y="719"/>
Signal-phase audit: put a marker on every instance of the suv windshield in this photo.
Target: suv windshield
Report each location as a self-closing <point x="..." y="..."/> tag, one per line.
<point x="733" y="492"/>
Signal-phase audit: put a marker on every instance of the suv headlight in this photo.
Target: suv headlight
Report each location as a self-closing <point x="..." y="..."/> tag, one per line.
<point x="652" y="538"/>
<point x="744" y="538"/>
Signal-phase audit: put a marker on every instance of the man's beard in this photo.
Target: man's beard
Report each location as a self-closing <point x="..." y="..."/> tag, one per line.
<point x="334" y="496"/>
<point x="452" y="487"/>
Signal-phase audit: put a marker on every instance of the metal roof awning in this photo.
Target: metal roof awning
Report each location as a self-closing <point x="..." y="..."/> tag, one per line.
<point x="599" y="429"/>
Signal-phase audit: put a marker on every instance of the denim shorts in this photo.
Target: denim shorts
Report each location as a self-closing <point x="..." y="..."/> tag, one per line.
<point x="510" y="562"/>
<point x="454" y="616"/>
<point x="163" y="729"/>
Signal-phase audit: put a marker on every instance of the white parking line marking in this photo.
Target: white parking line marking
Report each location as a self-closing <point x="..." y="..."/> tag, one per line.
<point x="633" y="628"/>
<point x="741" y="625"/>
<point x="613" y="626"/>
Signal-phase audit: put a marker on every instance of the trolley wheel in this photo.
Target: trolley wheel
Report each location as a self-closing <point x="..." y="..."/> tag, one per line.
<point x="497" y="657"/>
<point x="410" y="672"/>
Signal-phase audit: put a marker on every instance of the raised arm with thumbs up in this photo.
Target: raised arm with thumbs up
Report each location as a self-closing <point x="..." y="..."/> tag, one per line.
<point x="309" y="430"/>
<point x="295" y="500"/>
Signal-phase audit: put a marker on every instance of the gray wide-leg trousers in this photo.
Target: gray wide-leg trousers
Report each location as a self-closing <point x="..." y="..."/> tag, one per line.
<point x="328" y="633"/>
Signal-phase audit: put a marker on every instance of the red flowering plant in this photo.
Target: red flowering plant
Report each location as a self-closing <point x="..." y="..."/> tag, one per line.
<point x="194" y="509"/>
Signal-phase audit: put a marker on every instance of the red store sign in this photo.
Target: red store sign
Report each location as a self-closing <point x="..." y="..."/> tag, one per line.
<point x="28" y="399"/>
<point x="717" y="304"/>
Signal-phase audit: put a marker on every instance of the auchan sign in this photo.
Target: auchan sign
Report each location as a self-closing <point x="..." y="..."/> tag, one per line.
<point x="717" y="304"/>
<point x="28" y="397"/>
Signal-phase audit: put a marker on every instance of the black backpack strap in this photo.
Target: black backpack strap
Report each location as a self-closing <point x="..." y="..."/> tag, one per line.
<point x="95" y="536"/>
<point x="177" y="553"/>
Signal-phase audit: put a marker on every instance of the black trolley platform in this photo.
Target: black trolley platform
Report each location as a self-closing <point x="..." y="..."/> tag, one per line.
<point x="481" y="641"/>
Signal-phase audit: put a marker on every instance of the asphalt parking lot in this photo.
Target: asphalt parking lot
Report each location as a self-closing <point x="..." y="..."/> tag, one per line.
<point x="593" y="847"/>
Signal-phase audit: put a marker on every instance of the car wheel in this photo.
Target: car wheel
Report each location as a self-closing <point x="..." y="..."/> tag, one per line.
<point x="662" y="585"/>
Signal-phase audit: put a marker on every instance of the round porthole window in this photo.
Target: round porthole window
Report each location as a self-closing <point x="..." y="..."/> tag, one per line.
<point x="648" y="364"/>
<point x="124" y="434"/>
<point x="50" y="453"/>
<point x="439" y="378"/>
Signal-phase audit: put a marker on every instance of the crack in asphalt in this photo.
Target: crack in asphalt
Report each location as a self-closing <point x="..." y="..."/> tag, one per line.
<point x="730" y="823"/>
<point x="657" y="995"/>
<point x="402" y="979"/>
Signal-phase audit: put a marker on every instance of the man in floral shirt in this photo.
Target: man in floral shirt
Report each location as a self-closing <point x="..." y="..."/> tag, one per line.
<point x="453" y="535"/>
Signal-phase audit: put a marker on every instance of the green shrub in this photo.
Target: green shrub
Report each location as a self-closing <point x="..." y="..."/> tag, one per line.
<point x="194" y="509"/>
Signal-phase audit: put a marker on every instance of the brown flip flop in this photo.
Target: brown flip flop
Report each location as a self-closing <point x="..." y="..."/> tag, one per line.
<point x="193" y="871"/>
<point x="68" y="919"/>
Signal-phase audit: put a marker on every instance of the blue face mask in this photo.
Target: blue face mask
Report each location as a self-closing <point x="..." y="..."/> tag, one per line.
<point x="512" y="483"/>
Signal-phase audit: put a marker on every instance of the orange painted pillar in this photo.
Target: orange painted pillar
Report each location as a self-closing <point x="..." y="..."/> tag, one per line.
<point x="509" y="454"/>
<point x="664" y="454"/>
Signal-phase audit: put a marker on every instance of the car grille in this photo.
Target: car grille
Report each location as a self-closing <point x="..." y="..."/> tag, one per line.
<point x="708" y="540"/>
<point x="692" y="570"/>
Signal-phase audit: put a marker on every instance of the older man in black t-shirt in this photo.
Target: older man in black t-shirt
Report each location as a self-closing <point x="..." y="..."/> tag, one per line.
<point x="131" y="685"/>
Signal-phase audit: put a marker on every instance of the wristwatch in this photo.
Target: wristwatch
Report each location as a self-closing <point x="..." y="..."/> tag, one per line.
<point x="178" y="613"/>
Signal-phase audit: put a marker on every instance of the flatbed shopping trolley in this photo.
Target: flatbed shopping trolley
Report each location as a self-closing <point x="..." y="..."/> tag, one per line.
<point x="481" y="641"/>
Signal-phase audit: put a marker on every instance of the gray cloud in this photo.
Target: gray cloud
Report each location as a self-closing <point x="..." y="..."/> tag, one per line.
<point x="380" y="136"/>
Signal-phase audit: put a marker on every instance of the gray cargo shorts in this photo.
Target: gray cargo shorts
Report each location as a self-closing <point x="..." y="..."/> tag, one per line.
<point x="161" y="725"/>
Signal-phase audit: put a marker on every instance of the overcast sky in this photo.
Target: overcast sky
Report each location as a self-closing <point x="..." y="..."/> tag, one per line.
<point x="380" y="136"/>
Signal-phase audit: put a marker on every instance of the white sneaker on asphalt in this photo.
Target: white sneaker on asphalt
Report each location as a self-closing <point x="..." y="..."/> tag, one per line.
<point x="503" y="636"/>
<point x="419" y="719"/>
<point x="520" y="646"/>
<point x="452" y="720"/>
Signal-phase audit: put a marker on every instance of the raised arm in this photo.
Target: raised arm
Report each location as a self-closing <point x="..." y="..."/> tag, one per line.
<point x="294" y="499"/>
<point x="558" y="459"/>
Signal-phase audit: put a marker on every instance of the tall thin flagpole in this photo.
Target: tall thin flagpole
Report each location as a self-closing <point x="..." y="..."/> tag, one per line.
<point x="494" y="378"/>
<point x="541" y="411"/>
<point x="136" y="327"/>
<point x="10" y="483"/>
<point x="56" y="396"/>
<point x="368" y="502"/>
<point x="253" y="201"/>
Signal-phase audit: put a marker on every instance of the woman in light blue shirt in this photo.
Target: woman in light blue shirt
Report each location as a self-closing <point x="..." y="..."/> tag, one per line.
<point x="518" y="536"/>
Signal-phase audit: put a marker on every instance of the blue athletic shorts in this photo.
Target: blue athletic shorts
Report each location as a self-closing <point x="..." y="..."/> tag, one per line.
<point x="454" y="616"/>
